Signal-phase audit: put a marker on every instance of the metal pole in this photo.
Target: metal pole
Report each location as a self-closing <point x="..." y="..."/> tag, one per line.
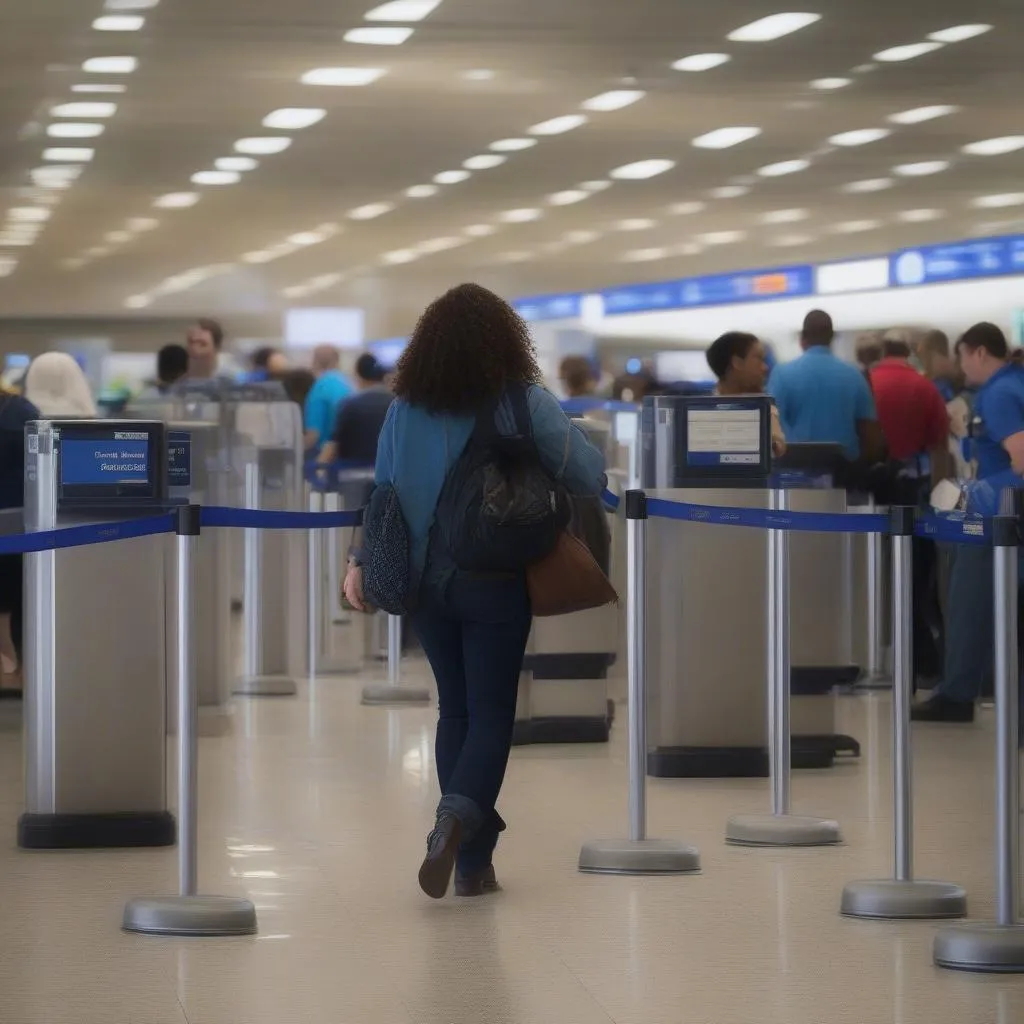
<point x="778" y="659"/>
<point x="1007" y="728"/>
<point x="636" y="647"/>
<point x="902" y="646"/>
<point x="394" y="649"/>
<point x="187" y="531"/>
<point x="251" y="652"/>
<point x="876" y="667"/>
<point x="315" y="545"/>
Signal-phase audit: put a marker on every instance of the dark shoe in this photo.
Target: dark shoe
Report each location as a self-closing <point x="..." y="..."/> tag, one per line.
<point x="481" y="883"/>
<point x="942" y="709"/>
<point x="442" y="848"/>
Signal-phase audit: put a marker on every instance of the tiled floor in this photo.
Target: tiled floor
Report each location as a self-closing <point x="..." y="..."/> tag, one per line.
<point x="317" y="808"/>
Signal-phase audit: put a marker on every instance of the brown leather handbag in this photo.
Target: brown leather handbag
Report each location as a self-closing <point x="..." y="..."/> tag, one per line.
<point x="568" y="580"/>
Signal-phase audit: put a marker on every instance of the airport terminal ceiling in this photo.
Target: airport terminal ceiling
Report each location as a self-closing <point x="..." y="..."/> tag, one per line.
<point x="237" y="156"/>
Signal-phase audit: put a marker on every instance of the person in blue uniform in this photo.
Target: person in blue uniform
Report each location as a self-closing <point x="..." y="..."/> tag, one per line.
<point x="997" y="437"/>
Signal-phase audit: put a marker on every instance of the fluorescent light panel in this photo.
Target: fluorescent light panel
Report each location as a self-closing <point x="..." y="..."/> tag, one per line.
<point x="422" y="191"/>
<point x="730" y="192"/>
<point x="522" y="216"/>
<point x="119" y="23"/>
<point x="216" y="178"/>
<point x="176" y="200"/>
<point x="784" y="167"/>
<point x="378" y="36"/>
<point x="370" y="211"/>
<point x="451" y="177"/>
<point x="558" y="125"/>
<point x="342" y="77"/>
<point x="921" y="169"/>
<point x="236" y="163"/>
<point x="110" y="65"/>
<point x="69" y="154"/>
<point x="642" y="169"/>
<point x="99" y="88"/>
<point x="83" y="110"/>
<point x="896" y="54"/>
<point x="999" y="201"/>
<point x="919" y="216"/>
<point x="869" y="185"/>
<point x="725" y="138"/>
<point x="918" y="115"/>
<point x="959" y="33"/>
<point x="831" y="84"/>
<point x="294" y="118"/>
<point x="860" y="137"/>
<point x="614" y="100"/>
<point x="687" y="209"/>
<point x="698" y="62"/>
<point x="775" y="26"/>
<point x="569" y="196"/>
<point x="74" y="130"/>
<point x="512" y="145"/>
<point x="995" y="147"/>
<point x="484" y="162"/>
<point x="262" y="146"/>
<point x="403" y="10"/>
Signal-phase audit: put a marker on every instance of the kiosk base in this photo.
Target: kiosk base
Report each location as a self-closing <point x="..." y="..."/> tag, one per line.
<point x="190" y="915"/>
<point x="96" y="831"/>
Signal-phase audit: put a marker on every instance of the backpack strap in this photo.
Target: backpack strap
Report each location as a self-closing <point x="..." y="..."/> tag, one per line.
<point x="509" y="416"/>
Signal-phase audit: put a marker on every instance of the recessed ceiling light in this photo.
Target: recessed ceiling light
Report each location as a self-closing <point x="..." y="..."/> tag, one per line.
<point x="595" y="186"/>
<point x="400" y="256"/>
<point x="304" y="239"/>
<point x="788" y="241"/>
<point x="216" y="178"/>
<point x="921" y="169"/>
<point x="236" y="163"/>
<point x="110" y="65"/>
<point x="784" y="216"/>
<point x="730" y="192"/>
<point x="451" y="177"/>
<point x="119" y="23"/>
<point x="8" y="264"/>
<point x="701" y="62"/>
<point x="517" y="256"/>
<point x="569" y="196"/>
<point x="641" y="170"/>
<point x="997" y="202"/>
<point x="370" y="211"/>
<point x="688" y="249"/>
<point x="74" y="130"/>
<point x="98" y="88"/>
<point x="258" y="256"/>
<point x="644" y="255"/>
<point x="722" y="237"/>
<point x="724" y="138"/>
<point x="829" y="84"/>
<point x="479" y="230"/>
<point x="403" y="10"/>
<point x="7" y="239"/>
<point x="521" y="216"/>
<point x="896" y="54"/>
<point x="958" y="33"/>
<point x="581" y="237"/>
<point x="919" y="216"/>
<point x="340" y="77"/>
<point x="635" y="224"/>
<point x="70" y="155"/>
<point x="117" y="237"/>
<point x="55" y="176"/>
<point x="294" y="118"/>
<point x="83" y="110"/>
<point x="921" y="114"/>
<point x="995" y="147"/>
<point x="28" y="214"/>
<point x="512" y="145"/>
<point x="137" y="302"/>
<point x="478" y="75"/>
<point x="264" y="146"/>
<point x="484" y="162"/>
<point x="783" y="167"/>
<point x="614" y="100"/>
<point x="422" y="191"/>
<point x="869" y="185"/>
<point x="859" y="137"/>
<point x="143" y="223"/>
<point x="176" y="200"/>
<point x="688" y="208"/>
<point x="775" y="26"/>
<point x="853" y="227"/>
<point x="97" y="251"/>
<point x="378" y="36"/>
<point x="558" y="125"/>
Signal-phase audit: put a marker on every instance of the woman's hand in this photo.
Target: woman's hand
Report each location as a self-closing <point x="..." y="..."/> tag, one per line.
<point x="353" y="588"/>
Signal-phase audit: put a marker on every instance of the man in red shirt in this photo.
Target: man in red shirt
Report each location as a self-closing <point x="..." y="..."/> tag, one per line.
<point x="915" y="422"/>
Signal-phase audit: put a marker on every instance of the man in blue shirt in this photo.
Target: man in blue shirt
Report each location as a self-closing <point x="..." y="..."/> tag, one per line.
<point x="329" y="391"/>
<point x="822" y="399"/>
<point x="997" y="433"/>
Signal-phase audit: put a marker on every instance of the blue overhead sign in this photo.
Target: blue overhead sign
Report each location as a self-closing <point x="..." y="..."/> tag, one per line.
<point x="957" y="261"/>
<point x="550" y="307"/>
<point x="713" y="290"/>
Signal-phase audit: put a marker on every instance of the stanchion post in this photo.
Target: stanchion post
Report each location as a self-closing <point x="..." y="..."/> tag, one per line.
<point x="780" y="828"/>
<point x="877" y="674"/>
<point x="903" y="897"/>
<point x="315" y="542"/>
<point x="998" y="948"/>
<point x="187" y="913"/>
<point x="394" y="649"/>
<point x="637" y="855"/>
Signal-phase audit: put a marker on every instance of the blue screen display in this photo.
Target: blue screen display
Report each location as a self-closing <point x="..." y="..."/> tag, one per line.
<point x="105" y="461"/>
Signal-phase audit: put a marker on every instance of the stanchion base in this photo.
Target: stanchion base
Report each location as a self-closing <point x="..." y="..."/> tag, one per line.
<point x="190" y="915"/>
<point x="781" y="830"/>
<point x="377" y="695"/>
<point x="265" y="686"/>
<point x="890" y="900"/>
<point x="642" y="857"/>
<point x="981" y="948"/>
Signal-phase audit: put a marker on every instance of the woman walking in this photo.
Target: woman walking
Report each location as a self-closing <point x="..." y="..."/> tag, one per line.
<point x="468" y="359"/>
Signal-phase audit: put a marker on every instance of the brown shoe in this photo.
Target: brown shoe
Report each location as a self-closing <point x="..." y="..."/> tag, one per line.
<point x="483" y="883"/>
<point x="442" y="848"/>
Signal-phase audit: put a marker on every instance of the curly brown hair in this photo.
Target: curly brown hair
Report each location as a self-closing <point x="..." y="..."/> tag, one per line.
<point x="468" y="345"/>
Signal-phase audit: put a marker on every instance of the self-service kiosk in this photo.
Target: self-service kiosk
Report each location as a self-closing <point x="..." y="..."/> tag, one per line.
<point x="95" y="658"/>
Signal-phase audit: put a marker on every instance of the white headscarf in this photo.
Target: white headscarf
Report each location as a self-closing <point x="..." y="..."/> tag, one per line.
<point x="56" y="386"/>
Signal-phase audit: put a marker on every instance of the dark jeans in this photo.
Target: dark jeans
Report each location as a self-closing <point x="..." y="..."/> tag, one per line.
<point x="927" y="612"/>
<point x="474" y="638"/>
<point x="12" y="598"/>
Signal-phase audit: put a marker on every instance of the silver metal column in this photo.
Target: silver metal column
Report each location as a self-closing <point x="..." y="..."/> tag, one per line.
<point x="780" y="828"/>
<point x="999" y="948"/>
<point x="316" y="588"/>
<point x="903" y="897"/>
<point x="637" y="855"/>
<point x="877" y="675"/>
<point x="394" y="692"/>
<point x="253" y="682"/>
<point x="188" y="913"/>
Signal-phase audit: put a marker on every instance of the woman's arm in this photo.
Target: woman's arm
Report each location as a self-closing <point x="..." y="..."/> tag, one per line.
<point x="563" y="447"/>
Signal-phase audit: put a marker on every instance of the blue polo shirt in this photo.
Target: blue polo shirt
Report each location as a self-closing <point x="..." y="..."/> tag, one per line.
<point x="820" y="399"/>
<point x="329" y="391"/>
<point x="998" y="414"/>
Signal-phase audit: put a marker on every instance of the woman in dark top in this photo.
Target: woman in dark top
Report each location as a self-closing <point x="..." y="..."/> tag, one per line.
<point x="15" y="412"/>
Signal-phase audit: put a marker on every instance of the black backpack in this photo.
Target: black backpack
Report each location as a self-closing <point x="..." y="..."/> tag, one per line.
<point x="500" y="509"/>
